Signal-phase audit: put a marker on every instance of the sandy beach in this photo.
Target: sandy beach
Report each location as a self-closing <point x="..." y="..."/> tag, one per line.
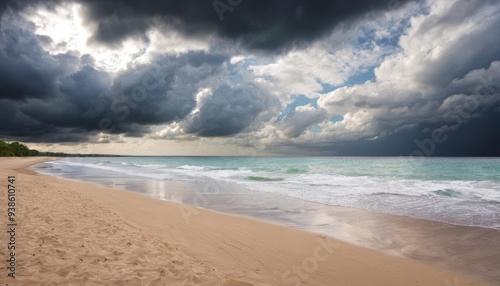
<point x="72" y="233"/>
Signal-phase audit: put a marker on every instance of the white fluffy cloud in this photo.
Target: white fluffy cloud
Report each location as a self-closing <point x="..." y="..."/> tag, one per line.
<point x="413" y="86"/>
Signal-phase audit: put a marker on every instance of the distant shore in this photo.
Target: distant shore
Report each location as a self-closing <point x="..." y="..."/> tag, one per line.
<point x="72" y="233"/>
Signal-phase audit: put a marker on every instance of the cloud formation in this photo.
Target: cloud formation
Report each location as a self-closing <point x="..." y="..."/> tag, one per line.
<point x="295" y="77"/>
<point x="266" y="25"/>
<point x="230" y="110"/>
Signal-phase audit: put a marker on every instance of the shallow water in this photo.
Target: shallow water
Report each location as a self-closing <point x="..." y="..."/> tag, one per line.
<point x="470" y="250"/>
<point x="464" y="191"/>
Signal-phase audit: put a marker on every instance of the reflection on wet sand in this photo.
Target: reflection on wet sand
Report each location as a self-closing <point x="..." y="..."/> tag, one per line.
<point x="472" y="251"/>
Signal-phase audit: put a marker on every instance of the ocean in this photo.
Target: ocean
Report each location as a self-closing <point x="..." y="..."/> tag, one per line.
<point x="462" y="191"/>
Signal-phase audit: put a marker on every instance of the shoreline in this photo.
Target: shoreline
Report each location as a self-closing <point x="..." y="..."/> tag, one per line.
<point x="445" y="245"/>
<point x="198" y="245"/>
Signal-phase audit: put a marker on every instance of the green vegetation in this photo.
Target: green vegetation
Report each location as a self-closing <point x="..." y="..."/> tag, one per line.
<point x="20" y="150"/>
<point x="16" y="149"/>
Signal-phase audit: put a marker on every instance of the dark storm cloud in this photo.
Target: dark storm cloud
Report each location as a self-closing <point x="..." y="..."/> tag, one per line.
<point x="164" y="91"/>
<point x="475" y="50"/>
<point x="113" y="31"/>
<point x="63" y="97"/>
<point x="90" y="101"/>
<point x="25" y="69"/>
<point x="44" y="97"/>
<point x="465" y="123"/>
<point x="67" y="115"/>
<point x="21" y="4"/>
<point x="475" y="137"/>
<point x="458" y="98"/>
<point x="260" y="24"/>
<point x="231" y="110"/>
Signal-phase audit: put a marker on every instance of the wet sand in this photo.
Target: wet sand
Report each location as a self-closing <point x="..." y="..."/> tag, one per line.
<point x="474" y="251"/>
<point x="72" y="233"/>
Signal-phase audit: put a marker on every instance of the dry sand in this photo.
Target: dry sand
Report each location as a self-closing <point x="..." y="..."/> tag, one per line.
<point x="71" y="233"/>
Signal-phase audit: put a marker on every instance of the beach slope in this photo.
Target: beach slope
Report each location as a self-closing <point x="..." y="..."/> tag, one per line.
<point x="72" y="233"/>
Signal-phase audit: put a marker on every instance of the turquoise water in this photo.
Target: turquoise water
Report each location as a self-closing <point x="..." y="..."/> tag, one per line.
<point x="455" y="190"/>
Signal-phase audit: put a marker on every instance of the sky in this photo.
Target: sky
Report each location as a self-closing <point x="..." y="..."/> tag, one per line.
<point x="252" y="77"/>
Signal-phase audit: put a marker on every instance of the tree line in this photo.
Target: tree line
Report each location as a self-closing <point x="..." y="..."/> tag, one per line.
<point x="16" y="149"/>
<point x="20" y="150"/>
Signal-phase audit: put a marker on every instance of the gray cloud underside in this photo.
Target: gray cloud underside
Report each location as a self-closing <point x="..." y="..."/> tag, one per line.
<point x="257" y="24"/>
<point x="477" y="137"/>
<point x="64" y="98"/>
<point x="232" y="110"/>
<point x="47" y="96"/>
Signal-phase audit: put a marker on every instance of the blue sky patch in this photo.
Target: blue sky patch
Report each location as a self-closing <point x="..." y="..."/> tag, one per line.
<point x="361" y="78"/>
<point x="298" y="100"/>
<point x="315" y="129"/>
<point x="327" y="87"/>
<point x="337" y="118"/>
